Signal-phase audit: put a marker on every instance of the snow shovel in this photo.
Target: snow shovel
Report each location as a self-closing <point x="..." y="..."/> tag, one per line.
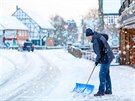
<point x="84" y="88"/>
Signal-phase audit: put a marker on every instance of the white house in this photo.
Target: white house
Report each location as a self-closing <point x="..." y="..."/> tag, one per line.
<point x="111" y="13"/>
<point x="39" y="28"/>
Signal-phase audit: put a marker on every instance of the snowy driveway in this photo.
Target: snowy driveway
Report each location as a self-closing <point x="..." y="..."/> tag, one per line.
<point x="50" y="75"/>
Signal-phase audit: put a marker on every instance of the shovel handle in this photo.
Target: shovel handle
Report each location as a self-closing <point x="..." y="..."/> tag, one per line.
<point x="90" y="75"/>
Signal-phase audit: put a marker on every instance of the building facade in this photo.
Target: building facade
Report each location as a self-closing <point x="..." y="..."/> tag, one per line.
<point x="127" y="32"/>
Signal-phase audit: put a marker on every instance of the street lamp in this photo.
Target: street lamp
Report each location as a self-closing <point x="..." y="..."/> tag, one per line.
<point x="82" y="30"/>
<point x="66" y="32"/>
<point x="101" y="15"/>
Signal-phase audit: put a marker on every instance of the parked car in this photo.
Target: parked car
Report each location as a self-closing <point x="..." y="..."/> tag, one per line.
<point x="27" y="46"/>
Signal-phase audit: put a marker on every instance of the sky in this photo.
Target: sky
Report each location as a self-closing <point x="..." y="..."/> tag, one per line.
<point x="68" y="9"/>
<point x="51" y="75"/>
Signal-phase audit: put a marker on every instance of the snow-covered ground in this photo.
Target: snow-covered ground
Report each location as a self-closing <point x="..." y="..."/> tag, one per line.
<point x="51" y="75"/>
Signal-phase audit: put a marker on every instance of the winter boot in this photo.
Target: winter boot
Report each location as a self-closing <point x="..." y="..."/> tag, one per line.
<point x="99" y="94"/>
<point x="108" y="93"/>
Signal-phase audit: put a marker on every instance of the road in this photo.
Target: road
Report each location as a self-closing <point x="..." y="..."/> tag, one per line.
<point x="31" y="76"/>
<point x="50" y="75"/>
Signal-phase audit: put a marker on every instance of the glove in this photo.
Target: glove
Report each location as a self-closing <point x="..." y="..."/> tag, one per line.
<point x="96" y="63"/>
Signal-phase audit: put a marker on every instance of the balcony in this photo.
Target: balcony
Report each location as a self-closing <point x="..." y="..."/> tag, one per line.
<point x="127" y="14"/>
<point x="126" y="4"/>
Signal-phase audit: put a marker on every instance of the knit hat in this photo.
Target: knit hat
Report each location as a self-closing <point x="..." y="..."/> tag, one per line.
<point x="89" y="32"/>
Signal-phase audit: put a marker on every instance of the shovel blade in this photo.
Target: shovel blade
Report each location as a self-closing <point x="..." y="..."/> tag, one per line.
<point x="83" y="88"/>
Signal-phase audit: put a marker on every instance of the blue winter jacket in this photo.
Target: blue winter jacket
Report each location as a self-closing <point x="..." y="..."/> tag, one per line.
<point x="102" y="49"/>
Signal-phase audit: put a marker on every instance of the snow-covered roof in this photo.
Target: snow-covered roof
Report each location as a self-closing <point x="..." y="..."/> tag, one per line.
<point x="38" y="18"/>
<point x="10" y="22"/>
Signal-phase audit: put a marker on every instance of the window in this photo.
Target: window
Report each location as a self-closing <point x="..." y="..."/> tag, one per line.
<point x="111" y="20"/>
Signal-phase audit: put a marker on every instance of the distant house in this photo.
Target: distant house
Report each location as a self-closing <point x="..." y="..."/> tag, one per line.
<point x="110" y="22"/>
<point x="111" y="13"/>
<point x="14" y="32"/>
<point x="38" y="27"/>
<point x="111" y="18"/>
<point x="127" y="32"/>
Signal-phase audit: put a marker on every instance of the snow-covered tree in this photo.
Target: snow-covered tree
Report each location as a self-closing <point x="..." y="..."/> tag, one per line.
<point x="72" y="31"/>
<point x="58" y="22"/>
<point x="91" y="19"/>
<point x="65" y="30"/>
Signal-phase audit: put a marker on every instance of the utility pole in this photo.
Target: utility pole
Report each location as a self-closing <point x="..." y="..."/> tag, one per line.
<point x="82" y="30"/>
<point x="101" y="15"/>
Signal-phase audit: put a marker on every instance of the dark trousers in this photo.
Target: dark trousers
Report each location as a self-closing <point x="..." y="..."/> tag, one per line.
<point x="105" y="80"/>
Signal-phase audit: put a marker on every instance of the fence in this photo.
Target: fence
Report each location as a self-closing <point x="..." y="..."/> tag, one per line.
<point x="90" y="55"/>
<point x="81" y="53"/>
